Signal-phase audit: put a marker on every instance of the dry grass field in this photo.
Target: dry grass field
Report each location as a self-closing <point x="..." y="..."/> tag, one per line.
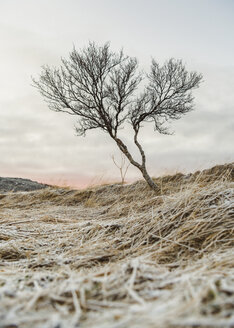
<point x="120" y="256"/>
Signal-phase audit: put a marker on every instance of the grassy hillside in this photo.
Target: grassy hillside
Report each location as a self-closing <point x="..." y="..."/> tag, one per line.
<point x="120" y="256"/>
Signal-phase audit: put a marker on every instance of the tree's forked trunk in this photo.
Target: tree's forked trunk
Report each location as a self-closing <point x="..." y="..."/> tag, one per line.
<point x="142" y="166"/>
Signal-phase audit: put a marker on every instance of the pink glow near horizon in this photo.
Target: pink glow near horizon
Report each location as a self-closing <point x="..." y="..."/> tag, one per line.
<point x="73" y="182"/>
<point x="82" y="182"/>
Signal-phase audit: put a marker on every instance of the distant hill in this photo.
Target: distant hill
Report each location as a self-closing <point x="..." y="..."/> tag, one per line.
<point x="19" y="184"/>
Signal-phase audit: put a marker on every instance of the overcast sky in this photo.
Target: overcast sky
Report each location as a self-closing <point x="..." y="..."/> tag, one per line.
<point x="39" y="144"/>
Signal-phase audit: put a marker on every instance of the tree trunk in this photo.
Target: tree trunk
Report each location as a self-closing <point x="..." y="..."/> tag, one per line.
<point x="141" y="167"/>
<point x="149" y="180"/>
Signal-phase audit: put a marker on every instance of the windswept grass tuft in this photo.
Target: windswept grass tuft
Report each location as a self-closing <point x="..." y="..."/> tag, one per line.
<point x="120" y="256"/>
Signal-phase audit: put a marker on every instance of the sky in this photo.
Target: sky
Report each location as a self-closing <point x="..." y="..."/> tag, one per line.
<point x="42" y="145"/>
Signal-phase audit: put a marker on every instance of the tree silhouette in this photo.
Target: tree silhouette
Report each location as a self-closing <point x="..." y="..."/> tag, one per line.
<point x="100" y="88"/>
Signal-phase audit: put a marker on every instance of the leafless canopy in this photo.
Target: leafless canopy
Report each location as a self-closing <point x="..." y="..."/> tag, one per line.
<point x="100" y="87"/>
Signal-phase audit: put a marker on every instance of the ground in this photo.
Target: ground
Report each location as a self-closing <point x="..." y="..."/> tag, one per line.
<point x="120" y="256"/>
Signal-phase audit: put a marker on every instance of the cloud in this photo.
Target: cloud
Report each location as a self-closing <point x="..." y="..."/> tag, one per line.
<point x="38" y="143"/>
<point x="35" y="141"/>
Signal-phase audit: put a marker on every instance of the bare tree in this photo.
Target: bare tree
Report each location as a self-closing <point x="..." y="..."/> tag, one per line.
<point x="122" y="166"/>
<point x="100" y="87"/>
